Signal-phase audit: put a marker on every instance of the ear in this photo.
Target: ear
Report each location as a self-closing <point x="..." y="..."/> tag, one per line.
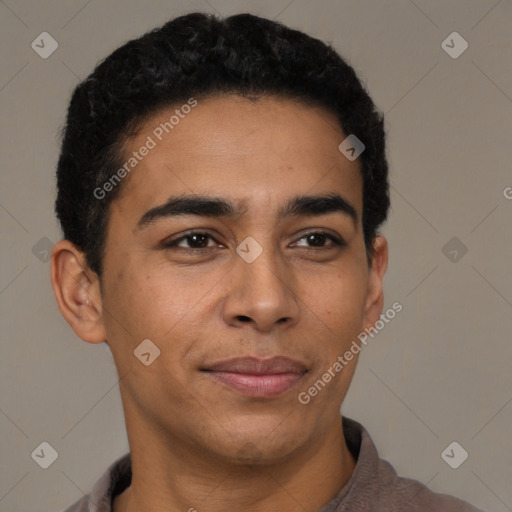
<point x="77" y="290"/>
<point x="375" y="296"/>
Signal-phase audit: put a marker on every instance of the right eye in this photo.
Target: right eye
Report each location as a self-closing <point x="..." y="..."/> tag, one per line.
<point x="195" y="241"/>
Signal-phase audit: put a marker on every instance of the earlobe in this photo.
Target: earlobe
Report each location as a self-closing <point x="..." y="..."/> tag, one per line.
<point x="77" y="291"/>
<point x="375" y="296"/>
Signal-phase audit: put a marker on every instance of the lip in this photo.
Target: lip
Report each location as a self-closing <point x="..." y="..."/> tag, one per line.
<point x="258" y="378"/>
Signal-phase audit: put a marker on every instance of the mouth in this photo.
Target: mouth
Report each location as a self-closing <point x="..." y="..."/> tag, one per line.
<point x="258" y="378"/>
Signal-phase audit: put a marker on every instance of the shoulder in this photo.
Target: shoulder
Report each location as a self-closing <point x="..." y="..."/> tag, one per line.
<point x="112" y="482"/>
<point x="375" y="485"/>
<point x="410" y="495"/>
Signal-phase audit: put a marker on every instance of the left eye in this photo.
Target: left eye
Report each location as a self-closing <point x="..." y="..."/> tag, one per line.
<point x="317" y="238"/>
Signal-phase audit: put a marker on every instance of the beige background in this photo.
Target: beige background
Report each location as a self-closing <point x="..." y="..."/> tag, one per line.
<point x="439" y="372"/>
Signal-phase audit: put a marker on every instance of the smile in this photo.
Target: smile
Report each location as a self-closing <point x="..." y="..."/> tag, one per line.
<point x="258" y="378"/>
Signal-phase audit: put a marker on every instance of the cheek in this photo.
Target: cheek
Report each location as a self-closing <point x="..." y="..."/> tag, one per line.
<point x="141" y="303"/>
<point x="160" y="305"/>
<point x="338" y="300"/>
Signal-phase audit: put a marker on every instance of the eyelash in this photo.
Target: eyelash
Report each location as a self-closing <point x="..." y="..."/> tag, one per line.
<point x="174" y="243"/>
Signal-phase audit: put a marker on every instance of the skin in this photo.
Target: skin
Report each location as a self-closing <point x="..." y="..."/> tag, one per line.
<point x="196" y="443"/>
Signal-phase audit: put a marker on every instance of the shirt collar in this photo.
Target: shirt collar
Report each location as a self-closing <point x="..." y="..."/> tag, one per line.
<point x="118" y="476"/>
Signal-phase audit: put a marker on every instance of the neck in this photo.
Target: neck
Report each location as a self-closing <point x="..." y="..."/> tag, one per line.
<point x="165" y="479"/>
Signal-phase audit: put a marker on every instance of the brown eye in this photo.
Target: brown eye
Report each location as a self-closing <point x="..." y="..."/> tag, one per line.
<point x="319" y="238"/>
<point x="196" y="240"/>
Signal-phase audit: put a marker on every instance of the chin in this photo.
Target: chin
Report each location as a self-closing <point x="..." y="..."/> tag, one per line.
<point x="263" y="444"/>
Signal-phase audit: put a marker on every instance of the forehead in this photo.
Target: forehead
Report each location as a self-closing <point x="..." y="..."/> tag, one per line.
<point x="265" y="150"/>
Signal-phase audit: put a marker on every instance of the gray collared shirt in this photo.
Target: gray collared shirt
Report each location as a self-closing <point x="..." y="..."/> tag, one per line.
<point x="373" y="487"/>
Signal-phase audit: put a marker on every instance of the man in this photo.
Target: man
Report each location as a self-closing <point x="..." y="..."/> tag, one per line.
<point x="220" y="188"/>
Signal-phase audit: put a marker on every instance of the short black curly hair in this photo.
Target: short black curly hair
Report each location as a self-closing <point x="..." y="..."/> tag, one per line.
<point x="200" y="55"/>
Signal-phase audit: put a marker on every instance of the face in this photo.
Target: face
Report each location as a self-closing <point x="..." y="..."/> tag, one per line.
<point x="264" y="274"/>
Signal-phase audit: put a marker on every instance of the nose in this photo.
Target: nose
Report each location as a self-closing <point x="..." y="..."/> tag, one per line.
<point x="262" y="293"/>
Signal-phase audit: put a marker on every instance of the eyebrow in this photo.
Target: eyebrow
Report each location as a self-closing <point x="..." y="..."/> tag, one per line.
<point x="209" y="206"/>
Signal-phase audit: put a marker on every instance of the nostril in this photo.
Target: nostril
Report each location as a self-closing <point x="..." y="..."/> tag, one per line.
<point x="243" y="318"/>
